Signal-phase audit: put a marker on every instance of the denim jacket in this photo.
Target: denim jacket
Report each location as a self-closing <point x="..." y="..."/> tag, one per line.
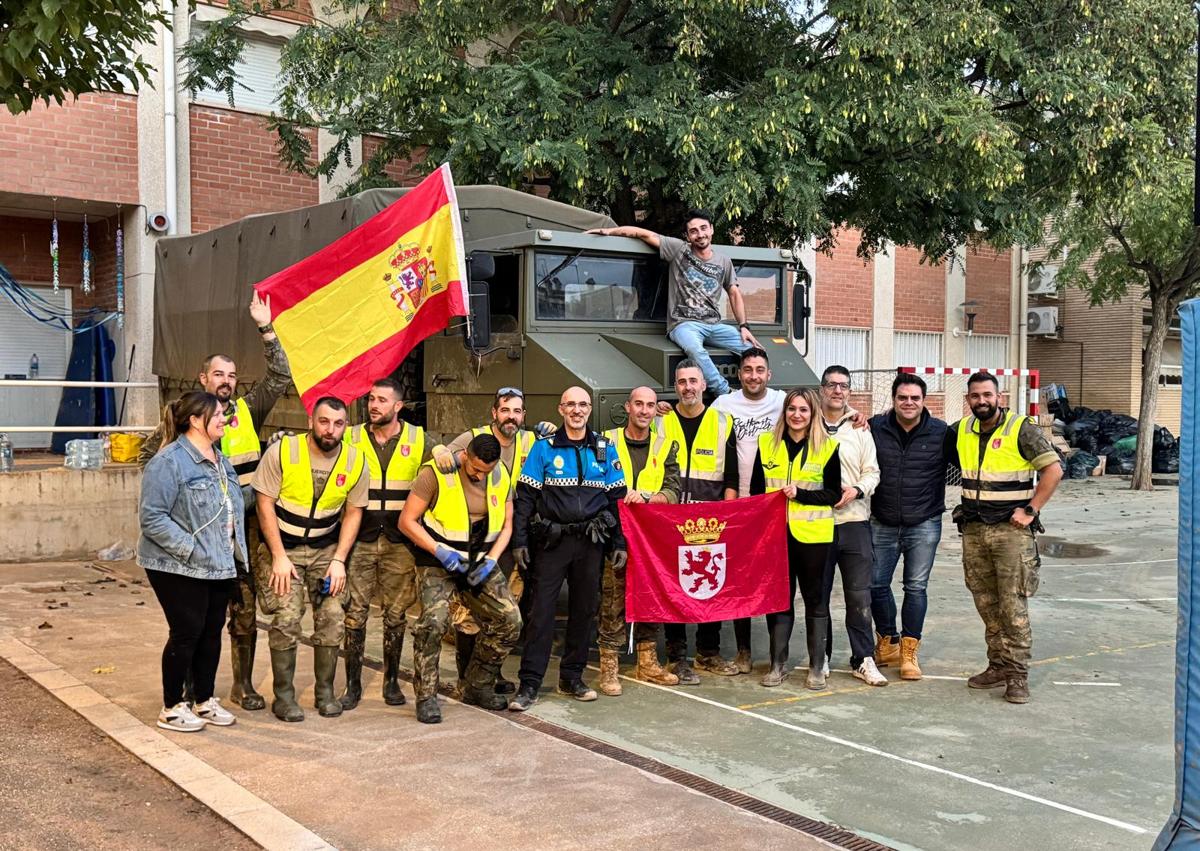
<point x="182" y="513"/>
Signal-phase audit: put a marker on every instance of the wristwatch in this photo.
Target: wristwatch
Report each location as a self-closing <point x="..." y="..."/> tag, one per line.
<point x="266" y="329"/>
<point x="861" y="495"/>
<point x="745" y="325"/>
<point x="646" y="496"/>
<point x="1030" y="510"/>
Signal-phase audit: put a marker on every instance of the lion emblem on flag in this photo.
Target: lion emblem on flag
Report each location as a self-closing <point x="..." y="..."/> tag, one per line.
<point x="702" y="560"/>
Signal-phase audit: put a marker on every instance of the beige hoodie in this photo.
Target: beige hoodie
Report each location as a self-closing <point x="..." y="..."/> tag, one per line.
<point x="860" y="466"/>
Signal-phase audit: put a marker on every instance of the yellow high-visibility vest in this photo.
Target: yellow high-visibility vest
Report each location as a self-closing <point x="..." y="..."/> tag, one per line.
<point x="240" y="442"/>
<point x="1003" y="477"/>
<point x="702" y="470"/>
<point x="390" y="487"/>
<point x="650" y="478"/>
<point x="448" y="521"/>
<point x="523" y="444"/>
<point x="306" y="517"/>
<point x="808" y="524"/>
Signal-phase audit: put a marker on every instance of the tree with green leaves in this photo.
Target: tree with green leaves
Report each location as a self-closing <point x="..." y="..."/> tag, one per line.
<point x="55" y="49"/>
<point x="1138" y="238"/>
<point x="924" y="122"/>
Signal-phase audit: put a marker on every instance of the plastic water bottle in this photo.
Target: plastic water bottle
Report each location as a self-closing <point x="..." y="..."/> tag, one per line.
<point x="6" y="454"/>
<point x="33" y="366"/>
<point x="85" y="454"/>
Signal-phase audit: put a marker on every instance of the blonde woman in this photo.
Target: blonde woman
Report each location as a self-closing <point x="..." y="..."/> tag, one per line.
<point x="801" y="460"/>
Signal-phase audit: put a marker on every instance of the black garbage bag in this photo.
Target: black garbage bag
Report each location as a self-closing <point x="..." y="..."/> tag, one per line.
<point x="1082" y="426"/>
<point x="1087" y="443"/>
<point x="1113" y="427"/>
<point x="1081" y="464"/>
<point x="1120" y="464"/>
<point x="1164" y="457"/>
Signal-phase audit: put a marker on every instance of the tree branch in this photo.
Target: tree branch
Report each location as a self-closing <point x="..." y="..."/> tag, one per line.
<point x="618" y="15"/>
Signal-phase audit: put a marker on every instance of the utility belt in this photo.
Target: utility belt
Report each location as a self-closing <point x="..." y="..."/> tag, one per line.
<point x="599" y="529"/>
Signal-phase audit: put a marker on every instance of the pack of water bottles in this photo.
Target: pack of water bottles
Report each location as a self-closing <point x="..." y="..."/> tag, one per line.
<point x="6" y="454"/>
<point x="85" y="454"/>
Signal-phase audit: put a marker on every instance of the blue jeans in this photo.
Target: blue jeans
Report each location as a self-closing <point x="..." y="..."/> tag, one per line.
<point x="918" y="544"/>
<point x="692" y="337"/>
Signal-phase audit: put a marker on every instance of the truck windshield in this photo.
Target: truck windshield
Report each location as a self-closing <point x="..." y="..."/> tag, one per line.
<point x="604" y="288"/>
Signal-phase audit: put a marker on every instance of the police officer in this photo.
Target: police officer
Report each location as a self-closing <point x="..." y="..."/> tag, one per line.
<point x="381" y="560"/>
<point x="651" y="475"/>
<point x="462" y="521"/>
<point x="565" y="516"/>
<point x="999" y="453"/>
<point x="243" y="418"/>
<point x="310" y="491"/>
<point x="708" y="464"/>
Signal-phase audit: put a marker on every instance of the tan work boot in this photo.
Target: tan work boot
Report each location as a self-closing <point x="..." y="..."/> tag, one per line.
<point x="609" y="684"/>
<point x="909" y="669"/>
<point x="887" y="652"/>
<point x="649" y="670"/>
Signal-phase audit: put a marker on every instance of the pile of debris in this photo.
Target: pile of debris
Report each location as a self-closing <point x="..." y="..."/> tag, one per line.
<point x="1092" y="443"/>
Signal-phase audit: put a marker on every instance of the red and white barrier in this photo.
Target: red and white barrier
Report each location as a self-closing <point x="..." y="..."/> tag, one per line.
<point x="1031" y="374"/>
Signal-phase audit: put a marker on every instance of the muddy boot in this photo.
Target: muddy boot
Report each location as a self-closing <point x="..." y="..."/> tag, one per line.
<point x="816" y="629"/>
<point x="743" y="661"/>
<point x="1017" y="690"/>
<point x="994" y="676"/>
<point x="464" y="648"/>
<point x="780" y="633"/>
<point x="504" y="686"/>
<point x="324" y="671"/>
<point x="609" y="682"/>
<point x="909" y="668"/>
<point x="283" y="670"/>
<point x="241" y="658"/>
<point x="353" y="648"/>
<point x="393" y="643"/>
<point x="477" y="687"/>
<point x="648" y="669"/>
<point x="887" y="650"/>
<point x="428" y="711"/>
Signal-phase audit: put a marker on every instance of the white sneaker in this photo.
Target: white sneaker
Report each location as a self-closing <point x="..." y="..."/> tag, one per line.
<point x="869" y="674"/>
<point x="181" y="719"/>
<point x="213" y="712"/>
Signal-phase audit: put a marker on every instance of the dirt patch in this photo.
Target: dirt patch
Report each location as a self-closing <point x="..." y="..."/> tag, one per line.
<point x="64" y="784"/>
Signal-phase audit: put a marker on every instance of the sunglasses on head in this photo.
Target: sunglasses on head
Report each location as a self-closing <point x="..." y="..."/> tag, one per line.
<point x="505" y="392"/>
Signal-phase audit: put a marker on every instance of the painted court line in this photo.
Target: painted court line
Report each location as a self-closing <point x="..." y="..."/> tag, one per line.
<point x="1057" y="683"/>
<point x="1112" y="599"/>
<point x="796" y="728"/>
<point x="1113" y="563"/>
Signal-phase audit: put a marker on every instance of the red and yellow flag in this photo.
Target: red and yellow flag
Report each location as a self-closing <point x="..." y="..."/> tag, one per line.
<point x="349" y="314"/>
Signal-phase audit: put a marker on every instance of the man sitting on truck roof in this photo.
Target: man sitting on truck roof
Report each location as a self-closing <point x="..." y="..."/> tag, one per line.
<point x="697" y="276"/>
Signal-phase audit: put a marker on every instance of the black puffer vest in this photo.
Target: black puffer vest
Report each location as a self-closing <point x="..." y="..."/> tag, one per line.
<point x="912" y="481"/>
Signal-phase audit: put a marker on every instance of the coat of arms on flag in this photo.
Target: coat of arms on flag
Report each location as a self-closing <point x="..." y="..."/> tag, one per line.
<point x="702" y="558"/>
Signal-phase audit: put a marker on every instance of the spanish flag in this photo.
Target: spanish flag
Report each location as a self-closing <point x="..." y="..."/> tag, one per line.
<point x="349" y="314"/>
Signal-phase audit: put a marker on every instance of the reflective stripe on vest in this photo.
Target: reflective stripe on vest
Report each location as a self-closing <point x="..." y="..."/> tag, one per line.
<point x="1004" y="476"/>
<point x="304" y="517"/>
<point x="524" y="445"/>
<point x="449" y="522"/>
<point x="389" y="488"/>
<point x="703" y="470"/>
<point x="808" y="524"/>
<point x="240" y="442"/>
<point x="650" y="478"/>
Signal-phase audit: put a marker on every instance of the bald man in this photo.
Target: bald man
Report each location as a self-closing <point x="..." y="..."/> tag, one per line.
<point x="648" y="461"/>
<point x="572" y="483"/>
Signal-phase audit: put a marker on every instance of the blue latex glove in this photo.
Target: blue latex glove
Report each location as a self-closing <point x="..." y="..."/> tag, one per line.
<point x="481" y="572"/>
<point x="544" y="429"/>
<point x="450" y="560"/>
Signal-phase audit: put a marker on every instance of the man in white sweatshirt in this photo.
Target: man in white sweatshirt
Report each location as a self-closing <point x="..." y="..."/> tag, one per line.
<point x="852" y="550"/>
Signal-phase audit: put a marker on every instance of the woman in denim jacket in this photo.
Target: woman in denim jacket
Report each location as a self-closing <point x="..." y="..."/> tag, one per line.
<point x="192" y="541"/>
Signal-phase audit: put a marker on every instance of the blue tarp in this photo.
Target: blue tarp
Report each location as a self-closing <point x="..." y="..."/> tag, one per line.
<point x="1183" y="829"/>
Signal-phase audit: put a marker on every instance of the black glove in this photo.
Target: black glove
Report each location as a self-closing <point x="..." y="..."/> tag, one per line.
<point x="619" y="559"/>
<point x="600" y="527"/>
<point x="520" y="557"/>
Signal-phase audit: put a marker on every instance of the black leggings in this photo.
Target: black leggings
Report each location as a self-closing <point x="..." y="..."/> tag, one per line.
<point x="195" y="610"/>
<point x="806" y="568"/>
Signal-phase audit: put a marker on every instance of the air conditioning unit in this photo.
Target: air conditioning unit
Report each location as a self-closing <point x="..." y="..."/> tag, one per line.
<point x="1042" y="321"/>
<point x="1044" y="281"/>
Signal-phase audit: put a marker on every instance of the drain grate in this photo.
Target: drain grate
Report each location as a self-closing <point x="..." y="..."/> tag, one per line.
<point x="832" y="834"/>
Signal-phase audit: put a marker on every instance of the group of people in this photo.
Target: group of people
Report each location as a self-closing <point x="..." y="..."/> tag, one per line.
<point x="477" y="537"/>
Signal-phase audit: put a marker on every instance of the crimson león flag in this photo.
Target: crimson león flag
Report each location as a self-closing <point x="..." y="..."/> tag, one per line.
<point x="706" y="561"/>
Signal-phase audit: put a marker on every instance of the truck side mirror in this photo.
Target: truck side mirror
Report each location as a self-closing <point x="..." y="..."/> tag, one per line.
<point x="480" y="306"/>
<point x="481" y="266"/>
<point x="800" y="310"/>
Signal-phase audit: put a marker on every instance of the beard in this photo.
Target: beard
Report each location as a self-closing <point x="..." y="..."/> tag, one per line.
<point x="984" y="411"/>
<point x="326" y="444"/>
<point x="508" y="428"/>
<point x="224" y="392"/>
<point x="386" y="418"/>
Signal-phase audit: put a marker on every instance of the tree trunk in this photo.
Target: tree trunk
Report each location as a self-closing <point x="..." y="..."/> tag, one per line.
<point x="1161" y="308"/>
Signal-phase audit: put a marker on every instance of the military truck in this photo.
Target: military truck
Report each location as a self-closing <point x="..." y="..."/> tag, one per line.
<point x="551" y="306"/>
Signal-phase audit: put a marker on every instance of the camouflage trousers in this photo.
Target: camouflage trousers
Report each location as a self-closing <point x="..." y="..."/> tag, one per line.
<point x="491" y="605"/>
<point x="1001" y="564"/>
<point x="614" y="634"/>
<point x="243" y="618"/>
<point x="460" y="616"/>
<point x="286" y="612"/>
<point x="382" y="567"/>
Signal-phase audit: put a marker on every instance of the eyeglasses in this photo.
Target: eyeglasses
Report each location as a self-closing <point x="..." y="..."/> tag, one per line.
<point x="505" y="392"/>
<point x="837" y="385"/>
<point x="577" y="406"/>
